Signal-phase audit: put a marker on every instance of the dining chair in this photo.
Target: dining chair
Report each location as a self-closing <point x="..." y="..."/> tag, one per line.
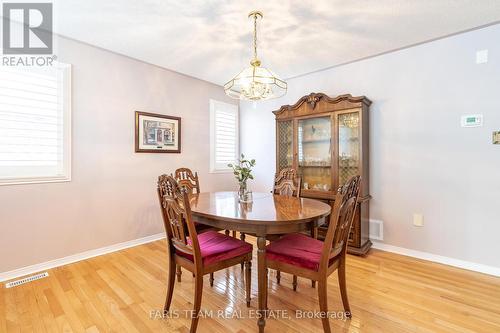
<point x="287" y="182"/>
<point x="200" y="254"/>
<point x="186" y="179"/>
<point x="310" y="258"/>
<point x="190" y="182"/>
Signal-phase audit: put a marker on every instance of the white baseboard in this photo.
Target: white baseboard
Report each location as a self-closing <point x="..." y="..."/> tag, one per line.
<point x="4" y="276"/>
<point x="491" y="270"/>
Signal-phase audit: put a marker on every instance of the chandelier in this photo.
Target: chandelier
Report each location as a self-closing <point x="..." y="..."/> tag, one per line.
<point x="255" y="83"/>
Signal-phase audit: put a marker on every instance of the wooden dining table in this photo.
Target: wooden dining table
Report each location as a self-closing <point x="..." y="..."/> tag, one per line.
<point x="267" y="214"/>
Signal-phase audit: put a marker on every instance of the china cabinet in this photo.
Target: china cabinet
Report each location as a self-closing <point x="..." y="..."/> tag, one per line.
<point x="326" y="140"/>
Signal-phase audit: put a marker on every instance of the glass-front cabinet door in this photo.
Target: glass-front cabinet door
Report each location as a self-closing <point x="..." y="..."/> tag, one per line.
<point x="284" y="133"/>
<point x="314" y="153"/>
<point x="349" y="145"/>
<point x="326" y="140"/>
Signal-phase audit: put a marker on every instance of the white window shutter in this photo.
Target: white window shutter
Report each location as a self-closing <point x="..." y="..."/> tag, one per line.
<point x="223" y="135"/>
<point x="34" y="124"/>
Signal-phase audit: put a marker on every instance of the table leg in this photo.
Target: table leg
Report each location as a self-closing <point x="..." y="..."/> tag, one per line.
<point x="314" y="231"/>
<point x="262" y="279"/>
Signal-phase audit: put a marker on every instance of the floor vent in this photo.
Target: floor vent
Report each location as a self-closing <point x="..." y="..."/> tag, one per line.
<point x="26" y="280"/>
<point x="377" y="230"/>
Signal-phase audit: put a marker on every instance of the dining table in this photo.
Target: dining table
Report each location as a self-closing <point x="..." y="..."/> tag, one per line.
<point x="266" y="215"/>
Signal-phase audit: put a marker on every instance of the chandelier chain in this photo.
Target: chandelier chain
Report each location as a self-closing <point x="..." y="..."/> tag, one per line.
<point x="255" y="36"/>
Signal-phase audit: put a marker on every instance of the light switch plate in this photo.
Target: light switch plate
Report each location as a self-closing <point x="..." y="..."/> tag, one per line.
<point x="482" y="57"/>
<point x="472" y="120"/>
<point x="496" y="138"/>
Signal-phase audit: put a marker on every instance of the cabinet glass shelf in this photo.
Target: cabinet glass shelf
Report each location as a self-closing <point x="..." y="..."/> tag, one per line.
<point x="314" y="146"/>
<point x="327" y="140"/>
<point x="315" y="166"/>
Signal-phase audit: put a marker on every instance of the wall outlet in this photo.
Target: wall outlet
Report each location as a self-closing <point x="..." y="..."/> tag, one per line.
<point x="482" y="57"/>
<point x="376" y="229"/>
<point x="418" y="220"/>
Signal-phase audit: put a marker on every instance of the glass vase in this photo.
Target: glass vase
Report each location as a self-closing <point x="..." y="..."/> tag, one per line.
<point x="244" y="195"/>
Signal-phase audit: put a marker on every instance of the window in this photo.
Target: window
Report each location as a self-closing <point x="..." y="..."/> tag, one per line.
<point x="35" y="124"/>
<point x="223" y="135"/>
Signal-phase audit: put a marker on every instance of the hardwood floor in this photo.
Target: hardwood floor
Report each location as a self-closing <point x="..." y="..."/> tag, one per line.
<point x="119" y="292"/>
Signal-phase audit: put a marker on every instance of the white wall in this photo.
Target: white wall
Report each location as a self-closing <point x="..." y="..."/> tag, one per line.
<point x="421" y="160"/>
<point x="112" y="197"/>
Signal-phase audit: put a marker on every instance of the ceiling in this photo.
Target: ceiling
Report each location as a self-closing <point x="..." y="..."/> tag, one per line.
<point x="211" y="40"/>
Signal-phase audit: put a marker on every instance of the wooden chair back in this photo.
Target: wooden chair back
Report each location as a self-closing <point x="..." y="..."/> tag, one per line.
<point x="177" y="218"/>
<point x="341" y="220"/>
<point x="287" y="182"/>
<point x="186" y="179"/>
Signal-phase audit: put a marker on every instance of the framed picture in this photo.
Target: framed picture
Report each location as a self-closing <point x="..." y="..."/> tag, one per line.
<point x="496" y="138"/>
<point x="157" y="133"/>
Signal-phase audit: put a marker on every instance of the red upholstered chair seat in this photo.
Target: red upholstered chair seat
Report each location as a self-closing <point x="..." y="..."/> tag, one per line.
<point x="296" y="249"/>
<point x="217" y="247"/>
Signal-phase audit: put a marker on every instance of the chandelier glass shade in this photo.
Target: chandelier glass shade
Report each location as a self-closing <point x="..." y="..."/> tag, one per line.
<point x="255" y="83"/>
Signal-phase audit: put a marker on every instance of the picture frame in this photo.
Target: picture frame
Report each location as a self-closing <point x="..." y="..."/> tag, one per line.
<point x="157" y="133"/>
<point x="496" y="138"/>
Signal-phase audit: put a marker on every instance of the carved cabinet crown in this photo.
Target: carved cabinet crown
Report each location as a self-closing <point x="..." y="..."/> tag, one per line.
<point x="319" y="102"/>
